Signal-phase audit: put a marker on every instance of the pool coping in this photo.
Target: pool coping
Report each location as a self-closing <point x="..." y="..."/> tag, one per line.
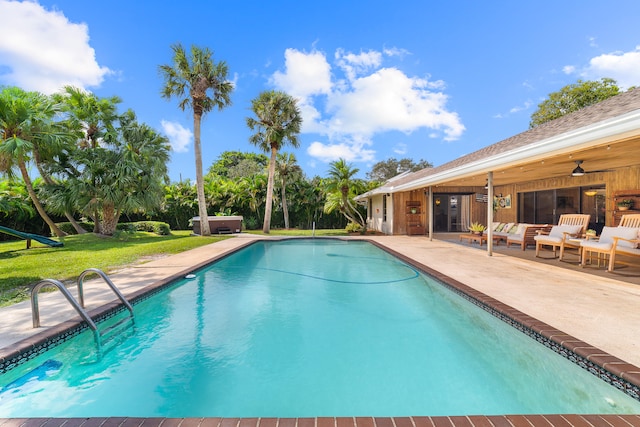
<point x="618" y="373"/>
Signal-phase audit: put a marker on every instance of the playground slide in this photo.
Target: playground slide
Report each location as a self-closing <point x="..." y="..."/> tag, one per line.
<point x="29" y="236"/>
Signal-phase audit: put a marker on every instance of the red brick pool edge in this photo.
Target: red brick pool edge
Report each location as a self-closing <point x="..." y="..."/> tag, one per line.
<point x="556" y="420"/>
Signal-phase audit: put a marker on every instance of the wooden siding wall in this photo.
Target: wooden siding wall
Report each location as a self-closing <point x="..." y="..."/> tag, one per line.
<point x="478" y="209"/>
<point x="399" y="203"/>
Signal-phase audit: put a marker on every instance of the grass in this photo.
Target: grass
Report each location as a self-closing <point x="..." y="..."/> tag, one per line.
<point x="20" y="267"/>
<point x="23" y="267"/>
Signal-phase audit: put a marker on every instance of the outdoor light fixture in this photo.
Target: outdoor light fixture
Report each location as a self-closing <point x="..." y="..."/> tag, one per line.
<point x="486" y="186"/>
<point x="578" y="171"/>
<point x="591" y="192"/>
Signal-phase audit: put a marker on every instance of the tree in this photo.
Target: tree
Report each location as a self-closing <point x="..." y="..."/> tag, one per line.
<point x="201" y="84"/>
<point x="341" y="189"/>
<point x="286" y="165"/>
<point x="15" y="203"/>
<point x="278" y="121"/>
<point x="391" y="167"/>
<point x="180" y="204"/>
<point x="572" y="98"/>
<point x="26" y="122"/>
<point x="122" y="174"/>
<point x="236" y="164"/>
<point x="93" y="118"/>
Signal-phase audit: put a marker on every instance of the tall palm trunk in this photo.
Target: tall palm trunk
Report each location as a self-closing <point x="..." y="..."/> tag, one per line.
<point x="202" y="201"/>
<point x="266" y="227"/>
<point x="109" y="219"/>
<point x="34" y="198"/>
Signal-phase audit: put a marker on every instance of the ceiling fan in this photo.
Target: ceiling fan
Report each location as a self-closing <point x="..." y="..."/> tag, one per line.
<point x="578" y="171"/>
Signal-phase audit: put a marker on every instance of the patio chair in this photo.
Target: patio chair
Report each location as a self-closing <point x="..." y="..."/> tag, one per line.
<point x="559" y="237"/>
<point x="621" y="240"/>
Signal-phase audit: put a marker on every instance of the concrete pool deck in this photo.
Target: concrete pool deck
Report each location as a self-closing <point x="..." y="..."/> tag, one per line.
<point x="601" y="311"/>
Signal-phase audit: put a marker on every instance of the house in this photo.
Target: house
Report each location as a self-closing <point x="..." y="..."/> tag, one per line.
<point x="584" y="162"/>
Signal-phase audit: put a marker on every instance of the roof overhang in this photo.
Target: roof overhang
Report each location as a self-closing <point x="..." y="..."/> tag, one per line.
<point x="619" y="128"/>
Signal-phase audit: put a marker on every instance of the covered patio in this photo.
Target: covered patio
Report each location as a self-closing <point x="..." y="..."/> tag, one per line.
<point x="584" y="162"/>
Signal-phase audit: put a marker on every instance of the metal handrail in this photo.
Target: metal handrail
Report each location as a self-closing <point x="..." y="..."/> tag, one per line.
<point x="108" y="281"/>
<point x="35" y="311"/>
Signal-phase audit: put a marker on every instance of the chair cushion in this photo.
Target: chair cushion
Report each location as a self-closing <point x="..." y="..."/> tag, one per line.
<point x="630" y="233"/>
<point x="627" y="250"/>
<point x="519" y="229"/>
<point x="625" y="232"/>
<point x="559" y="230"/>
<point x="548" y="238"/>
<point x="606" y="236"/>
<point x="596" y="245"/>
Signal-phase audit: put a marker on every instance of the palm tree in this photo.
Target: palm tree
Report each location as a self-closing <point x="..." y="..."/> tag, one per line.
<point x="285" y="167"/>
<point x="340" y="191"/>
<point x="190" y="78"/>
<point x="27" y="121"/>
<point x="91" y="120"/>
<point x="278" y="121"/>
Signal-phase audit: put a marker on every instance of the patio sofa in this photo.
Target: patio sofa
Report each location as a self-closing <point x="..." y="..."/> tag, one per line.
<point x="519" y="234"/>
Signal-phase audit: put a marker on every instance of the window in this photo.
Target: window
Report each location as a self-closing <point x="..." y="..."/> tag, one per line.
<point x="546" y="206"/>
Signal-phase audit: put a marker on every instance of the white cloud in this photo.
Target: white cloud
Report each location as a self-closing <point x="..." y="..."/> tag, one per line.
<point x="394" y="51"/>
<point x="43" y="51"/>
<point x="179" y="137"/>
<point x="306" y="74"/>
<point x="624" y="67"/>
<point x="354" y="65"/>
<point x="400" y="149"/>
<point x="349" y="152"/>
<point x="369" y="100"/>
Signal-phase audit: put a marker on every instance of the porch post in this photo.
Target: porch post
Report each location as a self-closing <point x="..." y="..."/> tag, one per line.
<point x="489" y="213"/>
<point x="430" y="202"/>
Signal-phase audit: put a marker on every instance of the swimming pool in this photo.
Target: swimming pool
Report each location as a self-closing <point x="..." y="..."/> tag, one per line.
<point x="307" y="328"/>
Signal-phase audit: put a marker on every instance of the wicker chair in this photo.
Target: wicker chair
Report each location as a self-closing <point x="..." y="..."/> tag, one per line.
<point x="569" y="226"/>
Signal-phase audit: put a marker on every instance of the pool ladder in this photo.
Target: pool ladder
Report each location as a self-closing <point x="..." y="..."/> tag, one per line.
<point x="79" y="306"/>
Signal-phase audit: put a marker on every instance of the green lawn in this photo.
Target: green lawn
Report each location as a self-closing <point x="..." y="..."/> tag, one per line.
<point x="21" y="267"/>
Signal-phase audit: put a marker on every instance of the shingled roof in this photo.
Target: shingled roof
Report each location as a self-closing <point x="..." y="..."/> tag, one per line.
<point x="608" y="109"/>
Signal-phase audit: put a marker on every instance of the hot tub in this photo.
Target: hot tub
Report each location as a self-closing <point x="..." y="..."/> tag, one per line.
<point x="220" y="224"/>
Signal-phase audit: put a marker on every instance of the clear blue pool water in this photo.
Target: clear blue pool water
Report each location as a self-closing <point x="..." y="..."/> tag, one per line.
<point x="307" y="328"/>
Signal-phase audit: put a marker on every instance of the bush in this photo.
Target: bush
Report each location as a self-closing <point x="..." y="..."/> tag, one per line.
<point x="251" y="223"/>
<point x="160" y="228"/>
<point x="353" y="227"/>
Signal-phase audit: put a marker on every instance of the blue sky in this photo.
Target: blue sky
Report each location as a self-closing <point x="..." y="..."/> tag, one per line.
<point x="374" y="79"/>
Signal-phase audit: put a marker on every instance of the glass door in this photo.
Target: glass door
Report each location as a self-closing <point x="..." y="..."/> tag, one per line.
<point x="450" y="212"/>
